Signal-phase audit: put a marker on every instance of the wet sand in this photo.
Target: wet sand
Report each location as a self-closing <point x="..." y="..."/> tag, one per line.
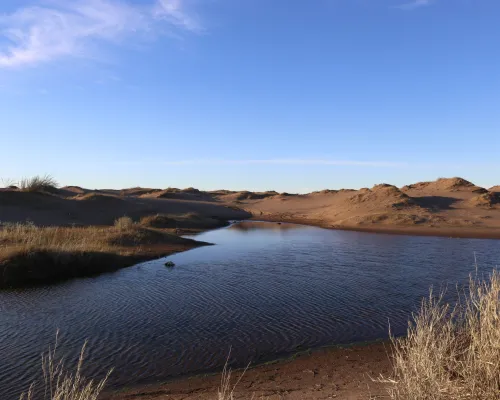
<point x="329" y="373"/>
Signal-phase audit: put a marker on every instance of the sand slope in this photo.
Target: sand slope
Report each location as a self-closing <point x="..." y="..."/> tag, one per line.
<point x="447" y="206"/>
<point x="452" y="206"/>
<point x="102" y="207"/>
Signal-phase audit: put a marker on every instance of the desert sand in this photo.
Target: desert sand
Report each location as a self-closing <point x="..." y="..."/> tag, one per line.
<point x="446" y="207"/>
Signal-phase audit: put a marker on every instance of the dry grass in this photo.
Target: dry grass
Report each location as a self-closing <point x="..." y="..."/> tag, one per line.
<point x="37" y="183"/>
<point x="31" y="254"/>
<point x="226" y="388"/>
<point x="451" y="352"/>
<point x="60" y="384"/>
<point x="124" y="223"/>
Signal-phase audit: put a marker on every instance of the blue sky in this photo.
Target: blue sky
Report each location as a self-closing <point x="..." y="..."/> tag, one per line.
<point x="258" y="94"/>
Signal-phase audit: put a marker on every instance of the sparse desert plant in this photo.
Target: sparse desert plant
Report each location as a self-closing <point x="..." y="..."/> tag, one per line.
<point x="61" y="384"/>
<point x="226" y="388"/>
<point x="124" y="223"/>
<point x="38" y="183"/>
<point x="451" y="352"/>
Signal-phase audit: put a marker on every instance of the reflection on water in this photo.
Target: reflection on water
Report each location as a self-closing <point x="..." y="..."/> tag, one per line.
<point x="247" y="226"/>
<point x="264" y="290"/>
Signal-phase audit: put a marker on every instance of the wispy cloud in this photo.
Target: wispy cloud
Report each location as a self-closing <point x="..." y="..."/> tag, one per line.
<point x="173" y="11"/>
<point x="279" y="161"/>
<point x="415" y="4"/>
<point x="54" y="29"/>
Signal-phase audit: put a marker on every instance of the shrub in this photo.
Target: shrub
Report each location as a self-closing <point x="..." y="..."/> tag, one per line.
<point x="124" y="223"/>
<point x="38" y="183"/>
<point x="452" y="352"/>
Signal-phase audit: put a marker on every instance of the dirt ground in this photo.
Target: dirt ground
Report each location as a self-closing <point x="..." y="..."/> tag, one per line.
<point x="334" y="373"/>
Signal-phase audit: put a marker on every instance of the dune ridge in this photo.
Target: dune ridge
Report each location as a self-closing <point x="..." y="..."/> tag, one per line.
<point x="446" y="206"/>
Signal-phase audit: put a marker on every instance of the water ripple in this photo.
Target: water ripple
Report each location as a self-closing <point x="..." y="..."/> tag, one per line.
<point x="261" y="292"/>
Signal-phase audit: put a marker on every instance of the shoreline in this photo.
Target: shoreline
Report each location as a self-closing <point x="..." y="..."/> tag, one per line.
<point x="34" y="266"/>
<point x="341" y="371"/>
<point x="452" y="233"/>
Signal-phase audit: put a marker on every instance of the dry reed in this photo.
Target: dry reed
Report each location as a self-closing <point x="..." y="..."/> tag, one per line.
<point x="37" y="183"/>
<point x="60" y="384"/>
<point x="451" y="352"/>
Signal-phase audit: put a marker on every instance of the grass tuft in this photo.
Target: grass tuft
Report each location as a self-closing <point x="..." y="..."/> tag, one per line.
<point x="451" y="352"/>
<point x="124" y="223"/>
<point x="60" y="384"/>
<point x="38" y="183"/>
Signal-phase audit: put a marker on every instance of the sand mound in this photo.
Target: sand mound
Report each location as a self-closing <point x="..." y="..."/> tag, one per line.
<point x="138" y="191"/>
<point x="97" y="198"/>
<point x="446" y="184"/>
<point x="383" y="195"/>
<point x="27" y="199"/>
<point x="495" y="189"/>
<point x="325" y="191"/>
<point x="180" y="194"/>
<point x="246" y="195"/>
<point x="159" y="221"/>
<point x="488" y="199"/>
<point x="75" y="189"/>
<point x="221" y="192"/>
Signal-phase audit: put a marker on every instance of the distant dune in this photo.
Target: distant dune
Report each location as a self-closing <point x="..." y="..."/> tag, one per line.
<point x="447" y="206"/>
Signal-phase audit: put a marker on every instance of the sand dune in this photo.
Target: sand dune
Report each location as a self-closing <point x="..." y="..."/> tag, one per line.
<point x="104" y="206"/>
<point x="447" y="206"/>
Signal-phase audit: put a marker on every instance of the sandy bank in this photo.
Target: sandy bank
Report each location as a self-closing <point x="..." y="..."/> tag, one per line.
<point x="332" y="373"/>
<point x="450" y="232"/>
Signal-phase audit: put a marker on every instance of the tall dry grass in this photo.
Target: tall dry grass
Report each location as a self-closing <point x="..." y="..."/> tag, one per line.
<point x="226" y="388"/>
<point x="29" y="236"/>
<point x="59" y="383"/>
<point x="37" y="183"/>
<point x="30" y="254"/>
<point x="451" y="352"/>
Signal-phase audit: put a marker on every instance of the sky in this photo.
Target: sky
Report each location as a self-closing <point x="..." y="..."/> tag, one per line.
<point x="282" y="95"/>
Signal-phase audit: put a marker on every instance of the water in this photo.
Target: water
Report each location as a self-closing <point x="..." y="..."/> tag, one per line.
<point x="265" y="290"/>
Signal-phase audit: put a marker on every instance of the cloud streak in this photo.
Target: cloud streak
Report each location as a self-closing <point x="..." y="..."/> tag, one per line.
<point x="280" y="161"/>
<point x="60" y="28"/>
<point x="415" y="4"/>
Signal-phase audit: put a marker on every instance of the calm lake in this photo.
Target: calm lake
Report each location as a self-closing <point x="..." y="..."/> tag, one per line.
<point x="265" y="290"/>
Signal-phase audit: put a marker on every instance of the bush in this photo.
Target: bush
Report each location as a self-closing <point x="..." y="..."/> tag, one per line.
<point x="124" y="223"/>
<point x="38" y="183"/>
<point x="452" y="352"/>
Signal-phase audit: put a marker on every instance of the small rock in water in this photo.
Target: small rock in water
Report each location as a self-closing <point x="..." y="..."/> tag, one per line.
<point x="169" y="264"/>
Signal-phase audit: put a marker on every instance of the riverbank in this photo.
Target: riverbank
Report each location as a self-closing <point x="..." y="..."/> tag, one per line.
<point x="328" y="373"/>
<point x="31" y="255"/>
<point x="450" y="232"/>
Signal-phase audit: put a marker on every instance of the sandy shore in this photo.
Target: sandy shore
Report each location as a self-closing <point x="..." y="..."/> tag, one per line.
<point x="450" y="232"/>
<point x="329" y="373"/>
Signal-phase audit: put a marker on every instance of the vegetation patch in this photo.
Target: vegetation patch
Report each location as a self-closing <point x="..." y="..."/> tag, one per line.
<point x="33" y="255"/>
<point x="451" y="352"/>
